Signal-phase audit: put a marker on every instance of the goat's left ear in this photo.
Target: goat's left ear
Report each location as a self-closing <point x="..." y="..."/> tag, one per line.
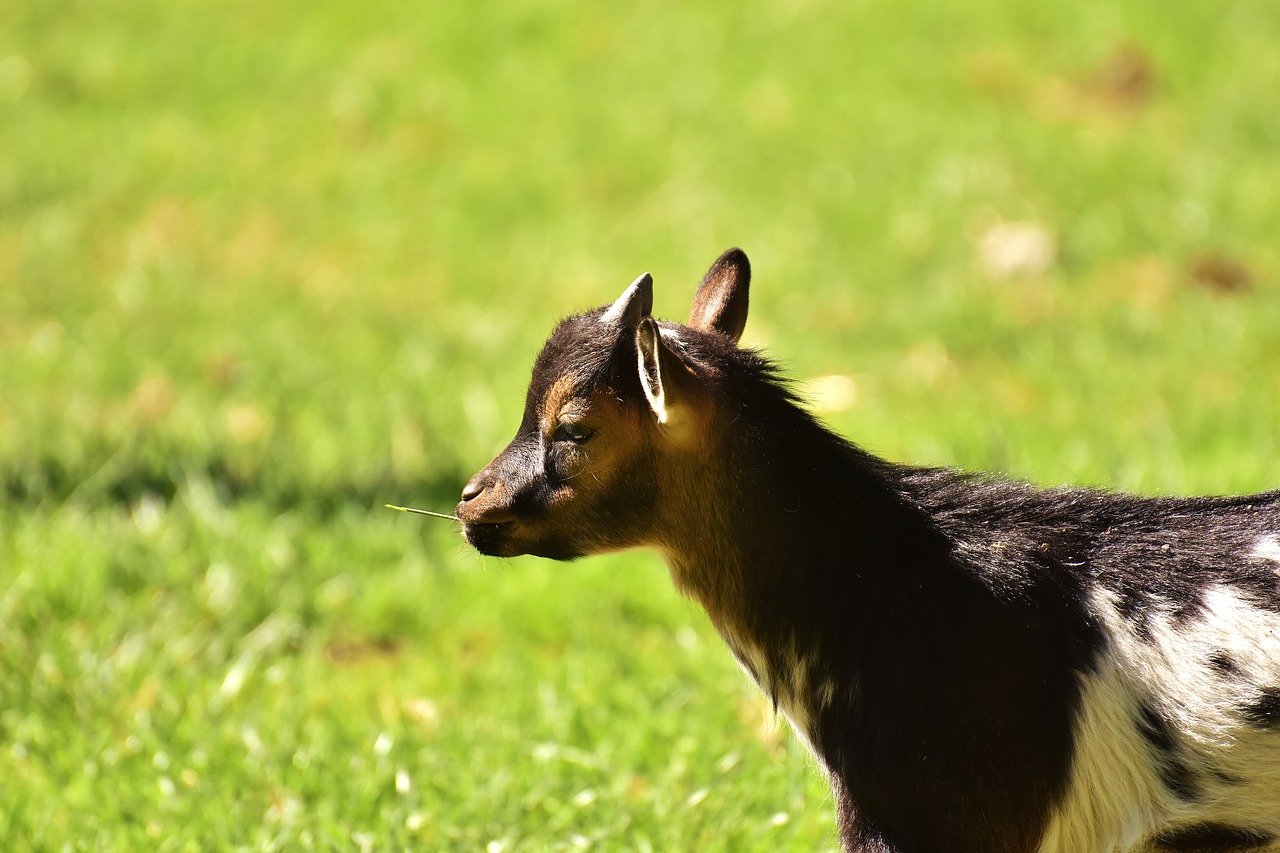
<point x="668" y="384"/>
<point x="720" y="305"/>
<point x="634" y="303"/>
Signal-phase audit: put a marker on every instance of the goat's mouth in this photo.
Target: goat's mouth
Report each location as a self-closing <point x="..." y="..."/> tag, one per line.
<point x="490" y="538"/>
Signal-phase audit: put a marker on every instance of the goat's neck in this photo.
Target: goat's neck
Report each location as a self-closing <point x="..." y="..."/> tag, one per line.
<point x="762" y="532"/>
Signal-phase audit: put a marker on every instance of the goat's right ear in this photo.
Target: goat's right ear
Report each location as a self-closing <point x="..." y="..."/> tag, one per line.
<point x="720" y="305"/>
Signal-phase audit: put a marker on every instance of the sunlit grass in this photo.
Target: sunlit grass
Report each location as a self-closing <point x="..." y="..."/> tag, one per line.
<point x="265" y="269"/>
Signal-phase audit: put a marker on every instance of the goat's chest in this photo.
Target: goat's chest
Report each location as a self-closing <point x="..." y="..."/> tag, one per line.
<point x="795" y="682"/>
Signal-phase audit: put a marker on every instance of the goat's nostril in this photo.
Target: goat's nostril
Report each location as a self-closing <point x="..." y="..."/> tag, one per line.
<point x="472" y="490"/>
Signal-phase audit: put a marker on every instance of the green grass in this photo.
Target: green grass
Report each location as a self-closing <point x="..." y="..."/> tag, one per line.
<point x="264" y="268"/>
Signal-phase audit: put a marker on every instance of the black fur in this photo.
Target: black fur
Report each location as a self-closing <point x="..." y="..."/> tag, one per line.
<point x="1212" y="838"/>
<point x="1264" y="712"/>
<point x="1174" y="771"/>
<point x="1223" y="663"/>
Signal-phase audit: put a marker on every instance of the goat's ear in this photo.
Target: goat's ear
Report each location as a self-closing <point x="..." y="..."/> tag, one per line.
<point x="720" y="304"/>
<point x="634" y="304"/>
<point x="667" y="383"/>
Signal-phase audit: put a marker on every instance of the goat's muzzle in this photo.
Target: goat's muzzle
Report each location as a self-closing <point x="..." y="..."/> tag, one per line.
<point x="486" y="514"/>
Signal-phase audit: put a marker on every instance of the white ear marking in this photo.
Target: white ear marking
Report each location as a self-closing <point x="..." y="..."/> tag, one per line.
<point x="649" y="363"/>
<point x="657" y="404"/>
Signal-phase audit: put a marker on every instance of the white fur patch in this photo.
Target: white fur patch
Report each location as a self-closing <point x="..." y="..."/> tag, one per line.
<point x="826" y="694"/>
<point x="1267" y="548"/>
<point x="1112" y="796"/>
<point x="750" y="657"/>
<point x="791" y="687"/>
<point x="795" y="697"/>
<point x="1115" y="798"/>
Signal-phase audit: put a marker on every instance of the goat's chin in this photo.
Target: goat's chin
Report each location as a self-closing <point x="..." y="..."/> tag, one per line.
<point x="490" y="539"/>
<point x="505" y="540"/>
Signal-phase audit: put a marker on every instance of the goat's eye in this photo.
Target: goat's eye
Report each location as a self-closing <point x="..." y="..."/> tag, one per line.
<point x="576" y="433"/>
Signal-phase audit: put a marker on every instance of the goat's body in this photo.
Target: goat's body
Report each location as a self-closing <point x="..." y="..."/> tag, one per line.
<point x="983" y="666"/>
<point x="980" y="666"/>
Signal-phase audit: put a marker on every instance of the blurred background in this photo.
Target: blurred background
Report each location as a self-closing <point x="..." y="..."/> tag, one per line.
<point x="266" y="267"/>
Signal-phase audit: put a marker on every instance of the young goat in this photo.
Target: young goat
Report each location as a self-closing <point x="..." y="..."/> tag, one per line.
<point x="979" y="665"/>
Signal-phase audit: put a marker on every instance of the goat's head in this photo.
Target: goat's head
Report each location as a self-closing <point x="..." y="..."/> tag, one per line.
<point x="615" y="396"/>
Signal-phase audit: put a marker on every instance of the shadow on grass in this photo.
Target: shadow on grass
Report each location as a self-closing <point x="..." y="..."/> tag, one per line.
<point x="104" y="476"/>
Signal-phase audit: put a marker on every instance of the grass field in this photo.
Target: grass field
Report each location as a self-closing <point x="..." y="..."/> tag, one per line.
<point x="266" y="267"/>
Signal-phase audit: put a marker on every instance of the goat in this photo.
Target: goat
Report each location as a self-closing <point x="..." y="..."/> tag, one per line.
<point x="977" y="664"/>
